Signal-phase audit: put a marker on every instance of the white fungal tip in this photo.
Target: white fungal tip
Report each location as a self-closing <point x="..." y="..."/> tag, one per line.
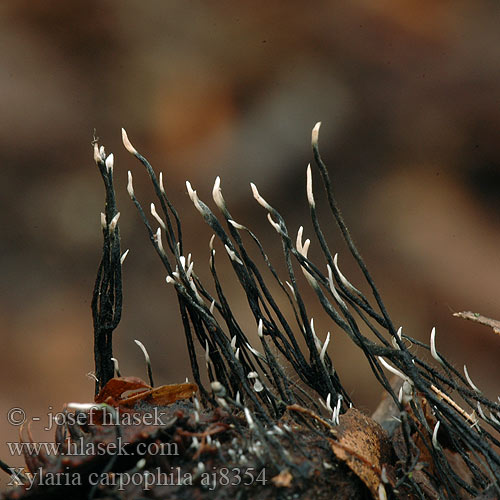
<point x="382" y="493"/>
<point x="343" y="279"/>
<point x="299" y="239"/>
<point x="83" y="406"/>
<point x="338" y="298"/>
<point x="143" y="349"/>
<point x="130" y="186"/>
<point x="211" y="243"/>
<point x="114" y="222"/>
<point x="434" y="435"/>
<point x="158" y="240"/>
<point x="309" y="188"/>
<point x="328" y="402"/>
<point x="103" y="221"/>
<point x="259" y="198"/>
<point x="217" y="386"/>
<point x="194" y="197"/>
<point x="249" y="418"/>
<point x="110" y="160"/>
<point x="399" y="333"/>
<point x="255" y="191"/>
<point x="236" y="225"/>
<point x="260" y="328"/>
<point x="469" y="380"/>
<point x="154" y="213"/>
<point x="162" y="189"/>
<point x="393" y="370"/>
<point x="170" y="280"/>
<point x="217" y="194"/>
<point x="97" y="155"/>
<point x="323" y="350"/>
<point x="232" y="255"/>
<point x="315" y="134"/>
<point x="258" y="387"/>
<point x="127" y="143"/>
<point x="116" y="365"/>
<point x="434" y="353"/>
<point x="276" y="226"/>
<point x="124" y="256"/>
<point x="212" y="305"/>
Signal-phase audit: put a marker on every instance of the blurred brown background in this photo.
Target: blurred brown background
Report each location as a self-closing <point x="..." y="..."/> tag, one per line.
<point x="409" y="96"/>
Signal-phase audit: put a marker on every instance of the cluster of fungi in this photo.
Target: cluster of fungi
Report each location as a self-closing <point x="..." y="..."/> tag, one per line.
<point x="253" y="427"/>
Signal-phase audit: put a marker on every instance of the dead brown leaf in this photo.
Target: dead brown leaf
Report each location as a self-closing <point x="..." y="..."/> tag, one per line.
<point x="364" y="446"/>
<point x="113" y="392"/>
<point x="283" y="479"/>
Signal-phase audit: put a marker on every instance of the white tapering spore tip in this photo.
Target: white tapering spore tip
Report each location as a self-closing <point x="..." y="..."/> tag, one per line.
<point x="83" y="406"/>
<point x="434" y="353"/>
<point x="110" y="160"/>
<point x="315" y="134"/>
<point x="116" y="365"/>
<point x="232" y="255"/>
<point x="217" y="194"/>
<point x="127" y="143"/>
<point x="144" y="350"/>
<point x="160" y="181"/>
<point x="97" y="155"/>
<point x="103" y="221"/>
<point x="398" y="333"/>
<point x="323" y="350"/>
<point x="434" y="435"/>
<point x="276" y="226"/>
<point x="248" y="417"/>
<point x="338" y="298"/>
<point x="154" y="213"/>
<point x="130" y="185"/>
<point x="124" y="256"/>
<point x="158" y="240"/>
<point x="310" y="196"/>
<point x="236" y="225"/>
<point x="211" y="243"/>
<point x="298" y="242"/>
<point x="194" y="197"/>
<point x="343" y="279"/>
<point x="382" y="493"/>
<point x="260" y="328"/>
<point x="469" y="380"/>
<point x="258" y="197"/>
<point x="393" y="370"/>
<point x="114" y="222"/>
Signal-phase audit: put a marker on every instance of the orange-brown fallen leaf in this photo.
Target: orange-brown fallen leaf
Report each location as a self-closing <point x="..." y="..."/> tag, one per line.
<point x="113" y="392"/>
